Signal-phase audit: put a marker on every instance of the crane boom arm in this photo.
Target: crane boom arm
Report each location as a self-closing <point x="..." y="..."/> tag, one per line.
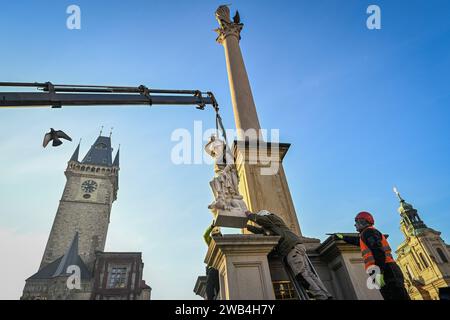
<point x="83" y="95"/>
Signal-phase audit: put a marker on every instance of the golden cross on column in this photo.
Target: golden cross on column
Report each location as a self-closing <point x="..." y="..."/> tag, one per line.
<point x="398" y="194"/>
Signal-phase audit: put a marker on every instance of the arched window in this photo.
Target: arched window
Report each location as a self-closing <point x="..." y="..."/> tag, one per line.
<point x="425" y="263"/>
<point x="442" y="255"/>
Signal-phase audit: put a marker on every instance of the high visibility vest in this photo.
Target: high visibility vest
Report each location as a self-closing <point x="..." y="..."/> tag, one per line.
<point x="367" y="255"/>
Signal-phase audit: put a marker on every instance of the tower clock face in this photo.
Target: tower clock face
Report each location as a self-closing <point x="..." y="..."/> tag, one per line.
<point x="89" y="186"/>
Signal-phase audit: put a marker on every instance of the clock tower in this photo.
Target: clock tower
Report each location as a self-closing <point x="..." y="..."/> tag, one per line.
<point x="85" y="205"/>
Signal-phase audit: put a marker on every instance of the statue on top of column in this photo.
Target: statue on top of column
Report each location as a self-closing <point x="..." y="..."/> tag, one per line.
<point x="226" y="25"/>
<point x="223" y="15"/>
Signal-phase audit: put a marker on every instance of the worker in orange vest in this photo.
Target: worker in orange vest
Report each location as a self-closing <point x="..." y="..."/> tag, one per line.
<point x="377" y="255"/>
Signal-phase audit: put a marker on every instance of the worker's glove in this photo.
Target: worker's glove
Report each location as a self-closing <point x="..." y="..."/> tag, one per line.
<point x="336" y="235"/>
<point x="379" y="278"/>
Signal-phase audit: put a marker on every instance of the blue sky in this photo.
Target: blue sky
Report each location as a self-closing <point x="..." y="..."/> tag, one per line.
<point x="364" y="110"/>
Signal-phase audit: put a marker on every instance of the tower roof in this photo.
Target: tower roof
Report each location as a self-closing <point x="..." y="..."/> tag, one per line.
<point x="410" y="215"/>
<point x="70" y="258"/>
<point x="59" y="266"/>
<point x="100" y="152"/>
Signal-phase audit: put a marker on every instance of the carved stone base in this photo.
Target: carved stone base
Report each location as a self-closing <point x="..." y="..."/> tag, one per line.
<point x="241" y="260"/>
<point x="233" y="218"/>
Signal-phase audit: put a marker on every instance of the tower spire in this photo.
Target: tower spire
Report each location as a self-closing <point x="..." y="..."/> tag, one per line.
<point x="398" y="194"/>
<point x="116" y="158"/>
<point x="100" y="152"/>
<point x="76" y="153"/>
<point x="69" y="258"/>
<point x="409" y="215"/>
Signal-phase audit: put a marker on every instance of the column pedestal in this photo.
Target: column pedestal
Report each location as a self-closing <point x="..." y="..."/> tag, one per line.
<point x="342" y="268"/>
<point x="262" y="181"/>
<point x="243" y="266"/>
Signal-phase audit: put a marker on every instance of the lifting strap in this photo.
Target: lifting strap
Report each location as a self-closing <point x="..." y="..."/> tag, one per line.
<point x="219" y="125"/>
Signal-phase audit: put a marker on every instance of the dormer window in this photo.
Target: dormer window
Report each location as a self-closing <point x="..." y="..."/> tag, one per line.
<point x="101" y="146"/>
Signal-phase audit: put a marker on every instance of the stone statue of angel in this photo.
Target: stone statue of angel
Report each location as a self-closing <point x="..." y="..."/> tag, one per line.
<point x="223" y="15"/>
<point x="225" y="184"/>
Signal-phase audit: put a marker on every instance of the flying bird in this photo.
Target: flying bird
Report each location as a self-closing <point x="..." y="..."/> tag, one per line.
<point x="237" y="17"/>
<point x="55" y="135"/>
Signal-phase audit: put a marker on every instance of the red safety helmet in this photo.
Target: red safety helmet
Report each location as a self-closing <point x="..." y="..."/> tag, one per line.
<point x="365" y="216"/>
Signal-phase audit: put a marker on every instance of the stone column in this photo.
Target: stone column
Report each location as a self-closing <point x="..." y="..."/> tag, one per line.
<point x="243" y="266"/>
<point x="261" y="188"/>
<point x="244" y="107"/>
<point x="260" y="191"/>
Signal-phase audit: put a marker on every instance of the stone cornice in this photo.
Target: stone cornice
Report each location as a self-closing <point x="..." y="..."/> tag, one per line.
<point x="238" y="244"/>
<point x="86" y="202"/>
<point x="245" y="150"/>
<point x="200" y="286"/>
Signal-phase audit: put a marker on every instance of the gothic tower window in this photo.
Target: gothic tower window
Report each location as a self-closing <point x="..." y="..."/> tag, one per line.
<point x="442" y="255"/>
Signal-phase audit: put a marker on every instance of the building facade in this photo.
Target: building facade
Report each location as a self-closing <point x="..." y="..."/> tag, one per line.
<point x="423" y="256"/>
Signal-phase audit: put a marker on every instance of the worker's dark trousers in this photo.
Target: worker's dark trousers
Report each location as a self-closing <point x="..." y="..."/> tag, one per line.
<point x="212" y="283"/>
<point x="395" y="287"/>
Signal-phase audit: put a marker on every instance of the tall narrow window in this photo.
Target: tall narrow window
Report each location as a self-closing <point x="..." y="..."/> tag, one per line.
<point x="409" y="272"/>
<point x="442" y="255"/>
<point x="425" y="263"/>
<point x="417" y="262"/>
